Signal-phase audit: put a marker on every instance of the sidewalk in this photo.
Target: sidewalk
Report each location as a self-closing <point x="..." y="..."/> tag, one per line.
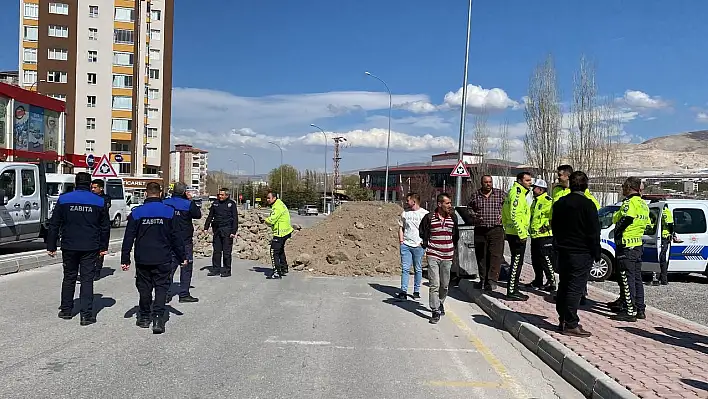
<point x="663" y="356"/>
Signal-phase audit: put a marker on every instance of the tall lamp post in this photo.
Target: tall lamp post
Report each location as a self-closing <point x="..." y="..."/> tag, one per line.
<point x="463" y="111"/>
<point x="388" y="140"/>
<point x="324" y="190"/>
<point x="281" y="168"/>
<point x="253" y="186"/>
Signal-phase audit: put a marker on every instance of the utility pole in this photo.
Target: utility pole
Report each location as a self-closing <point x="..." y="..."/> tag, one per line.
<point x="463" y="110"/>
<point x="336" y="159"/>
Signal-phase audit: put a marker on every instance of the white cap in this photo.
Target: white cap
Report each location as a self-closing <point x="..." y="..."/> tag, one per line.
<point x="540" y="183"/>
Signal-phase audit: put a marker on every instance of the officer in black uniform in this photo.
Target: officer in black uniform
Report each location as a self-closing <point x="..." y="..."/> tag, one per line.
<point x="150" y="228"/>
<point x="185" y="211"/>
<point x="97" y="186"/>
<point x="223" y="218"/>
<point x="81" y="218"/>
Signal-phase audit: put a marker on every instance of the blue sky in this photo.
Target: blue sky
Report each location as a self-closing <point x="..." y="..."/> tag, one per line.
<point x="254" y="72"/>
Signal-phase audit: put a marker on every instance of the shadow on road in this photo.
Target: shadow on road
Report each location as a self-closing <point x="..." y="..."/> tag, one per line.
<point x="414" y="307"/>
<point x="695" y="383"/>
<point x="133" y="312"/>
<point x="106" y="272"/>
<point x="267" y="271"/>
<point x="100" y="302"/>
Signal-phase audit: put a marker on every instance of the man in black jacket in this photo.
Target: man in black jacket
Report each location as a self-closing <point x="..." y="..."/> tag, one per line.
<point x="97" y="187"/>
<point x="80" y="217"/>
<point x="576" y="228"/>
<point x="151" y="229"/>
<point x="223" y="218"/>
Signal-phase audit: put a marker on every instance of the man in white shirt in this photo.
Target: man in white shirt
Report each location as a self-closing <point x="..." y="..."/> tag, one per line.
<point x="411" y="249"/>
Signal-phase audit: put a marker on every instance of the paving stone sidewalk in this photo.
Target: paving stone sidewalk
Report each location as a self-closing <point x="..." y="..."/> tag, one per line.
<point x="663" y="356"/>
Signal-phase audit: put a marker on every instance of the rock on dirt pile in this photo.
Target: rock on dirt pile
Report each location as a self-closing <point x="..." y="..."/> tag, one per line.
<point x="358" y="239"/>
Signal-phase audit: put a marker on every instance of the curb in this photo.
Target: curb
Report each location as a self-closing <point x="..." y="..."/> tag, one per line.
<point x="582" y="375"/>
<point x="35" y="259"/>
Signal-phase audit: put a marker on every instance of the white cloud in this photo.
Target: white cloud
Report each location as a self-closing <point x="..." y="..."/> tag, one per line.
<point x="479" y="99"/>
<point x="702" y="117"/>
<point x="419" y="107"/>
<point x="639" y="100"/>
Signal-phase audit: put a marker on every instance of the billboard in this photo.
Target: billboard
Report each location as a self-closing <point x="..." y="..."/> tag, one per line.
<point x="21" y="136"/>
<point x="4" y="128"/>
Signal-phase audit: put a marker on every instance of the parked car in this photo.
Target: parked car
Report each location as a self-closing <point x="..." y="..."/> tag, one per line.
<point x="308" y="210"/>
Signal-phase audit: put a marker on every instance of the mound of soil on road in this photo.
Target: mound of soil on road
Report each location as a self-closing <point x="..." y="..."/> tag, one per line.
<point x="358" y="239"/>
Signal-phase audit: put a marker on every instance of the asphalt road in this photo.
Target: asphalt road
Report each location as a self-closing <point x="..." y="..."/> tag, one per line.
<point x="248" y="337"/>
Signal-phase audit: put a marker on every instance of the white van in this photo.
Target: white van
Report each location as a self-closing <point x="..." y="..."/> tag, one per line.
<point x="57" y="184"/>
<point x="113" y="187"/>
<point x="690" y="226"/>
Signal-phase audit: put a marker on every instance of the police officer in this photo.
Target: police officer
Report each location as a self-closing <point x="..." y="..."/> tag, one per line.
<point x="630" y="222"/>
<point x="667" y="236"/>
<point x="185" y="211"/>
<point x="542" y="238"/>
<point x="279" y="220"/>
<point x="515" y="218"/>
<point x="97" y="186"/>
<point x="151" y="229"/>
<point x="223" y="218"/>
<point x="81" y="218"/>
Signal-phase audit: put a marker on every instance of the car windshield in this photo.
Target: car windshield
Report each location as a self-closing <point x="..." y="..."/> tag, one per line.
<point x="605" y="214"/>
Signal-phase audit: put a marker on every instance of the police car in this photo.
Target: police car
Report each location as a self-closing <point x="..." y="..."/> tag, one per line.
<point x="690" y="226"/>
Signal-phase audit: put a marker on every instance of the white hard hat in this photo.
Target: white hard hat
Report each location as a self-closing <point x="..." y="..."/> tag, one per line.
<point x="540" y="183"/>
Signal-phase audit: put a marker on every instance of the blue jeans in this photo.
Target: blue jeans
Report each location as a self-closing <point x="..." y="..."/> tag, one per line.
<point x="411" y="255"/>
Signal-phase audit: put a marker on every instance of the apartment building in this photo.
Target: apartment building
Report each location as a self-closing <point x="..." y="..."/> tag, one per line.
<point x="9" y="77"/>
<point x="111" y="61"/>
<point x="189" y="165"/>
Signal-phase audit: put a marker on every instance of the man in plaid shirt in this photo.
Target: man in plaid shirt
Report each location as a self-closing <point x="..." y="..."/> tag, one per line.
<point x="486" y="203"/>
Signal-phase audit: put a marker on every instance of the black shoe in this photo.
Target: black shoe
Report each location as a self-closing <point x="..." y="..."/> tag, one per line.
<point x="66" y="315"/>
<point x="285" y="270"/>
<point x="435" y="318"/>
<point x="549" y="288"/>
<point x="664" y="283"/>
<point x="625" y="317"/>
<point x="619" y="308"/>
<point x="225" y="274"/>
<point x="274" y="276"/>
<point x="158" y="325"/>
<point x="641" y="315"/>
<point x="576" y="332"/>
<point x="214" y="273"/>
<point x="416" y="295"/>
<point x="401" y="296"/>
<point x="188" y="299"/>
<point x="490" y="286"/>
<point x="143" y="322"/>
<point x="614" y="303"/>
<point x="442" y="310"/>
<point x="583" y="301"/>
<point x="516" y="296"/>
<point x="87" y="320"/>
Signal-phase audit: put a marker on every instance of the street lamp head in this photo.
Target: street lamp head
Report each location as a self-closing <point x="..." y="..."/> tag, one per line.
<point x="367" y="72"/>
<point x="313" y="125"/>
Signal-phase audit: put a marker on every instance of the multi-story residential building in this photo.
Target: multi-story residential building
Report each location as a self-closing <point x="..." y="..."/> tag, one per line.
<point x="111" y="61"/>
<point x="9" y="77"/>
<point x="189" y="165"/>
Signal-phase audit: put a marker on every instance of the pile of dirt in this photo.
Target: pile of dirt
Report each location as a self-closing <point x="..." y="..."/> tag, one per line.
<point x="358" y="239"/>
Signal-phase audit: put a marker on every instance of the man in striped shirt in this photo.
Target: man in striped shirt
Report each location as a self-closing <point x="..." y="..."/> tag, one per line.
<point x="439" y="233"/>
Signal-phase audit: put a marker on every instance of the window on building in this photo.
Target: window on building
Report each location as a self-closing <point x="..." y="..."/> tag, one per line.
<point x="122" y="81"/>
<point x="155" y="34"/>
<point x="90" y="146"/>
<point x="151" y="112"/>
<point x="59" y="8"/>
<point x="29" y="77"/>
<point x="152" y="132"/>
<point x="153" y="94"/>
<point x="124" y="168"/>
<point x="154" y="54"/>
<point x="57" y="77"/>
<point x="122" y="125"/>
<point x="61" y="97"/>
<point x="93" y="34"/>
<point x="58" y="54"/>
<point x="120" y="146"/>
<point x="91" y="101"/>
<point x="150" y="170"/>
<point x="31" y="11"/>
<point x="122" y="36"/>
<point x="91" y="78"/>
<point x="90" y="125"/>
<point x="151" y="153"/>
<point x="155" y="15"/>
<point x="122" y="102"/>
<point x="29" y="55"/>
<point x="30" y="33"/>
<point x="154" y="73"/>
<point x="124" y="59"/>
<point x="58" y="31"/>
<point x="29" y="184"/>
<point x="124" y="14"/>
<point x="92" y="56"/>
<point x="93" y="11"/>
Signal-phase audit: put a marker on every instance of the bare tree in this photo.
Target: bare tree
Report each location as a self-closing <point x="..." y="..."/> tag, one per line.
<point x="480" y="146"/>
<point x="420" y="183"/>
<point x="584" y="135"/>
<point x="544" y="118"/>
<point x="609" y="131"/>
<point x="505" y="155"/>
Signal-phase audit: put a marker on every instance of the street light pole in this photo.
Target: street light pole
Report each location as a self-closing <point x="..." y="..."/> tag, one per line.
<point x="324" y="189"/>
<point x="388" y="140"/>
<point x="253" y="186"/>
<point x="281" y="168"/>
<point x="463" y="110"/>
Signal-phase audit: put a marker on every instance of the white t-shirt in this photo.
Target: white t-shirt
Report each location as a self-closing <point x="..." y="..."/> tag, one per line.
<point x="410" y="221"/>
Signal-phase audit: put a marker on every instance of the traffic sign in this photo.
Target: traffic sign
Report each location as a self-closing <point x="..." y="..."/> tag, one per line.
<point x="118" y="158"/>
<point x="90" y="160"/>
<point x="104" y="168"/>
<point x="460" y="170"/>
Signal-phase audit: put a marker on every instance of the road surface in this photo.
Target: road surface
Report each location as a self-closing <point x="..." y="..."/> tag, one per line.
<point x="248" y="337"/>
<point x="20" y="247"/>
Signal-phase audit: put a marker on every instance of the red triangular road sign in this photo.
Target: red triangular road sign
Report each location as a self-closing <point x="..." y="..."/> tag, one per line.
<point x="460" y="170"/>
<point x="104" y="168"/>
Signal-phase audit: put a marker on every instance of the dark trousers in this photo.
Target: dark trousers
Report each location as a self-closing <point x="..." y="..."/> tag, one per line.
<point x="489" y="251"/>
<point x="185" y="271"/>
<point x="663" y="261"/>
<point x="149" y="278"/>
<point x="223" y="245"/>
<point x="631" y="284"/>
<point x="573" y="270"/>
<point x="73" y="261"/>
<point x="99" y="266"/>
<point x="542" y="259"/>
<point x="517" y="247"/>
<point x="277" y="254"/>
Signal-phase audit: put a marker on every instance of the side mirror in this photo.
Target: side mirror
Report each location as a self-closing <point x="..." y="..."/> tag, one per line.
<point x="3" y="198"/>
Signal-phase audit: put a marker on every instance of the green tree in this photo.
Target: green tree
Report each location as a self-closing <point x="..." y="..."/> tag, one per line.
<point x="290" y="175"/>
<point x="354" y="190"/>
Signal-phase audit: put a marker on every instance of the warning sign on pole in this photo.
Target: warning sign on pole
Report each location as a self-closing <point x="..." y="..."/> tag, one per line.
<point x="460" y="170"/>
<point x="104" y="168"/>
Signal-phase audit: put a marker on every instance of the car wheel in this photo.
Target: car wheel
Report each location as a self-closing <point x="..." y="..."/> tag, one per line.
<point x="601" y="270"/>
<point x="116" y="221"/>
